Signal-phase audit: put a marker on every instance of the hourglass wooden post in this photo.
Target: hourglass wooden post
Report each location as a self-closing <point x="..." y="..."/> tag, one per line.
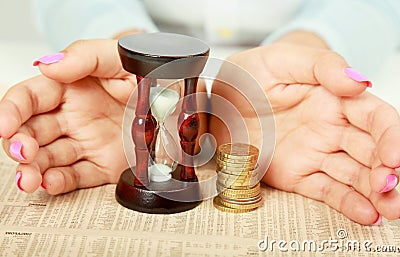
<point x="143" y="128"/>
<point x="152" y="56"/>
<point x="189" y="124"/>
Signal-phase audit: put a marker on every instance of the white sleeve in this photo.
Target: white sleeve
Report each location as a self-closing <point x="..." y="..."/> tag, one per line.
<point x="365" y="32"/>
<point x="62" y="22"/>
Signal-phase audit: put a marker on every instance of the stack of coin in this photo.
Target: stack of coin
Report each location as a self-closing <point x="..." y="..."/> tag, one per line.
<point x="237" y="178"/>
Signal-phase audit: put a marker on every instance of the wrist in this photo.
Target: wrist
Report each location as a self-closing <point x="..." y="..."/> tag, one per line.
<point x="305" y="38"/>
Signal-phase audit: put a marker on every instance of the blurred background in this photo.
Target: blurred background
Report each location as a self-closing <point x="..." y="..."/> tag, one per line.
<point x="16" y="21"/>
<point x="21" y="44"/>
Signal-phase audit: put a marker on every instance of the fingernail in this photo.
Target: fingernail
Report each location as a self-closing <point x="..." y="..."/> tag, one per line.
<point x="357" y="76"/>
<point x="391" y="182"/>
<point x="18" y="181"/>
<point x="378" y="221"/>
<point x="16" y="151"/>
<point x="49" y="59"/>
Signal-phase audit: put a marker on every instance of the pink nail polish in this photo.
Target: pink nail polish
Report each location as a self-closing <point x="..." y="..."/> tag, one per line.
<point x="357" y="76"/>
<point x="49" y="59"/>
<point x="378" y="221"/>
<point x="18" y="181"/>
<point x="391" y="182"/>
<point x="16" y="151"/>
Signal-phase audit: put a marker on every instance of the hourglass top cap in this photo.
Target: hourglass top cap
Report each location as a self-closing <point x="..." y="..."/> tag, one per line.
<point x="143" y="53"/>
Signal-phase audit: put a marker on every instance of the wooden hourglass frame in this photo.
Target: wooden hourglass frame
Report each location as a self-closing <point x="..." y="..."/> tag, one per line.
<point x="144" y="55"/>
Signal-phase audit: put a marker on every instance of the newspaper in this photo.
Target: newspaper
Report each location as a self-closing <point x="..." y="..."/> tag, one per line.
<point x="89" y="222"/>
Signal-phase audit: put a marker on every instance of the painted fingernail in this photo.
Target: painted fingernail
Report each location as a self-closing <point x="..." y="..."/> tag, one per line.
<point x="391" y="182"/>
<point x="378" y="221"/>
<point x="18" y="181"/>
<point x="49" y="59"/>
<point x="357" y="76"/>
<point x="16" y="151"/>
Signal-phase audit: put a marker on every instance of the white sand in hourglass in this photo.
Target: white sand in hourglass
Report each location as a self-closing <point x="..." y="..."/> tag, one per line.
<point x="163" y="103"/>
<point x="159" y="172"/>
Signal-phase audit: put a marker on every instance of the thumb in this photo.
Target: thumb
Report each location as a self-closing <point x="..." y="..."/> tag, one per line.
<point x="98" y="58"/>
<point x="305" y="65"/>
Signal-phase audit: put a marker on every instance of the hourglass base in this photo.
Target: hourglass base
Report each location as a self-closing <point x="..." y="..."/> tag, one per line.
<point x="168" y="197"/>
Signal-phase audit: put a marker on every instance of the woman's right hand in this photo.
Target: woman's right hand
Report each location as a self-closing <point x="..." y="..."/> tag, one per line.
<point x="65" y="126"/>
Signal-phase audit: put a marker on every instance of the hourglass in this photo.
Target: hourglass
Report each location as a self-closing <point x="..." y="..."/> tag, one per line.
<point x="158" y="183"/>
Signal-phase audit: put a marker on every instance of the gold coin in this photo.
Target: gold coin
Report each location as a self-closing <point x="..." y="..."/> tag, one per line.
<point x="246" y="200"/>
<point x="242" y="206"/>
<point x="239" y="176"/>
<point x="238" y="150"/>
<point x="254" y="190"/>
<point x="228" y="178"/>
<point x="237" y="183"/>
<point x="238" y="187"/>
<point x="243" y="201"/>
<point x="230" y="182"/>
<point x="238" y="173"/>
<point x="238" y="195"/>
<point x="237" y="168"/>
<point x="250" y="173"/>
<point x="234" y="159"/>
<point x="219" y="206"/>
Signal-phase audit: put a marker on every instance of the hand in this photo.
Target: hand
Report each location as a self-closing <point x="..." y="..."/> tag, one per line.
<point x="69" y="120"/>
<point x="334" y="142"/>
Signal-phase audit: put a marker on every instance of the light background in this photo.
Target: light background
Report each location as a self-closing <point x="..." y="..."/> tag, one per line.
<point x="21" y="44"/>
<point x="16" y="21"/>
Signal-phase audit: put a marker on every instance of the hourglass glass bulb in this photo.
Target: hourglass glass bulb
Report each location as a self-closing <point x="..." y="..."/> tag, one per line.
<point x="163" y="103"/>
<point x="165" y="155"/>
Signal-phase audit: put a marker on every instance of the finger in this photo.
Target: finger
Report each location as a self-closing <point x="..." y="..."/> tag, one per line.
<point x="25" y="100"/>
<point x="342" y="198"/>
<point x="45" y="128"/>
<point x="120" y="89"/>
<point x="38" y="131"/>
<point x="21" y="148"/>
<point x="30" y="178"/>
<point x="292" y="64"/>
<point x="84" y="58"/>
<point x="341" y="167"/>
<point x="379" y="119"/>
<point x="351" y="141"/>
<point x="383" y="179"/>
<point x="82" y="174"/>
<point x="388" y="204"/>
<point x="346" y="170"/>
<point x="61" y="152"/>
